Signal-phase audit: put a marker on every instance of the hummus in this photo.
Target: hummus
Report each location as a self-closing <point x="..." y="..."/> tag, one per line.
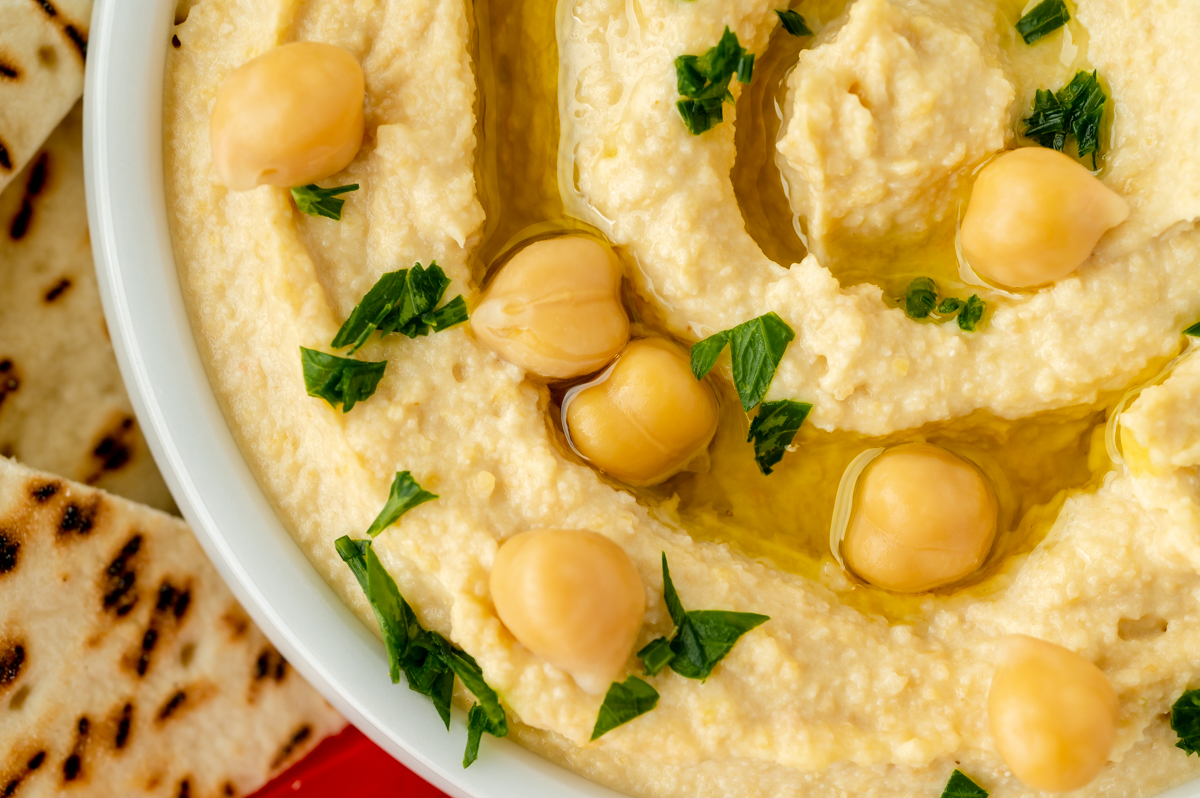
<point x="848" y="689"/>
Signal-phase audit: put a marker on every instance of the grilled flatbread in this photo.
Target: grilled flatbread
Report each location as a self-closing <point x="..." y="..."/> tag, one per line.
<point x="126" y="666"/>
<point x="63" y="407"/>
<point x="43" y="45"/>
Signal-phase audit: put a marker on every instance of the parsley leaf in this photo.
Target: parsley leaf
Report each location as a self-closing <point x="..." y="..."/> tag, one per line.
<point x="428" y="660"/>
<point x="773" y="430"/>
<point x="340" y="380"/>
<point x="1185" y="721"/>
<point x="756" y="347"/>
<point x="1042" y="20"/>
<point x="402" y="301"/>
<point x="623" y="702"/>
<point x="316" y="201"/>
<point x="970" y="313"/>
<point x="960" y="786"/>
<point x="793" y="23"/>
<point x="405" y="495"/>
<point x="920" y="298"/>
<point x="1193" y="331"/>
<point x="656" y="655"/>
<point x="479" y="722"/>
<point x="1076" y="109"/>
<point x="703" y="81"/>
<point x="701" y="638"/>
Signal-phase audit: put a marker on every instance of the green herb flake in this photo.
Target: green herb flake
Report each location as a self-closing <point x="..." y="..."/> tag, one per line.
<point x="920" y="298"/>
<point x="793" y="23"/>
<point x="1185" y="721"/>
<point x="405" y="495"/>
<point x="429" y="662"/>
<point x="656" y="655"/>
<point x="402" y="301"/>
<point x="1042" y="20"/>
<point x="701" y="638"/>
<point x="756" y="347"/>
<point x="960" y="786"/>
<point x="703" y="81"/>
<point x="623" y="702"/>
<point x="1076" y="109"/>
<point x="774" y="428"/>
<point x="316" y="201"/>
<point x="340" y="380"/>
<point x="970" y="313"/>
<point x="1193" y="331"/>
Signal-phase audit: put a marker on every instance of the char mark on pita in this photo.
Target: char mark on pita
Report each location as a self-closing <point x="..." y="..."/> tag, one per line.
<point x="9" y="71"/>
<point x="79" y="517"/>
<point x="299" y="738"/>
<point x="23" y="220"/>
<point x="57" y="290"/>
<point x="12" y="658"/>
<point x="9" y="549"/>
<point x="43" y="492"/>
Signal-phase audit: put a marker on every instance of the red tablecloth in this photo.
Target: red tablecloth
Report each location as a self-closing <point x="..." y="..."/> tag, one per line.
<point x="348" y="764"/>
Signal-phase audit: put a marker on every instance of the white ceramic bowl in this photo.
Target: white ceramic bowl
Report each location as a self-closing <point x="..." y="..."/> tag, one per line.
<point x="196" y="451"/>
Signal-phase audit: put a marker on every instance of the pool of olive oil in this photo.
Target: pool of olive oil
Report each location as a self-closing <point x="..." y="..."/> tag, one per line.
<point x="782" y="519"/>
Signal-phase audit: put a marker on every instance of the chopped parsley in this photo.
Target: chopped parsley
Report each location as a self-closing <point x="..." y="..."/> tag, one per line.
<point x="1185" y="721"/>
<point x="1042" y="20"/>
<point x="756" y="347"/>
<point x="623" y="702"/>
<point x="703" y="81"/>
<point x="428" y="660"/>
<point x="340" y="380"/>
<point x="656" y="655"/>
<point x="402" y="301"/>
<point x="960" y="786"/>
<point x="405" y="495"/>
<point x="921" y="299"/>
<point x="701" y="638"/>
<point x="773" y="430"/>
<point x="316" y="201"/>
<point x="793" y="23"/>
<point x="1193" y="331"/>
<point x="1076" y="109"/>
<point x="968" y="312"/>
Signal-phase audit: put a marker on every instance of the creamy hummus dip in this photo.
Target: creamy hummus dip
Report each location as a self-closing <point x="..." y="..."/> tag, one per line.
<point x="1073" y="402"/>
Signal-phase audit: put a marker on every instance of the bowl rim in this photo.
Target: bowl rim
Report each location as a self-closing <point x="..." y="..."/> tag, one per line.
<point x="196" y="451"/>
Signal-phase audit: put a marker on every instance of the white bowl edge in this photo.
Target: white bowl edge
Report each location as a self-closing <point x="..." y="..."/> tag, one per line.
<point x="199" y="459"/>
<point x="196" y="452"/>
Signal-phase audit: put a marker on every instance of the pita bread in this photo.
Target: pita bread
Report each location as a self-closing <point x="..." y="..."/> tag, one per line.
<point x="43" y="45"/>
<point x="126" y="666"/>
<point x="63" y="407"/>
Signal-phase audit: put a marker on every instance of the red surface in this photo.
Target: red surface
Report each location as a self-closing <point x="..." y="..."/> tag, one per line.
<point x="348" y="764"/>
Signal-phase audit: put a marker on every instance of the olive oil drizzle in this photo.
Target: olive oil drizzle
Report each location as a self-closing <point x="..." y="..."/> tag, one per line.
<point x="783" y="519"/>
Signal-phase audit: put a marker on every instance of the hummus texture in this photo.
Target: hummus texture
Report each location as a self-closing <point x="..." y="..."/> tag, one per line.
<point x="846" y="690"/>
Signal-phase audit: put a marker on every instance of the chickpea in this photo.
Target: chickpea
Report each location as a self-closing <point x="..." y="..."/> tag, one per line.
<point x="572" y="598"/>
<point x="924" y="518"/>
<point x="555" y="309"/>
<point x="289" y="117"/>
<point x="648" y="418"/>
<point x="1052" y="713"/>
<point x="1035" y="216"/>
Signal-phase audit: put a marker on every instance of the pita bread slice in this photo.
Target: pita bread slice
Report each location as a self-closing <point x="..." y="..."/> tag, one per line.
<point x="126" y="666"/>
<point x="63" y="407"/>
<point x="43" y="45"/>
